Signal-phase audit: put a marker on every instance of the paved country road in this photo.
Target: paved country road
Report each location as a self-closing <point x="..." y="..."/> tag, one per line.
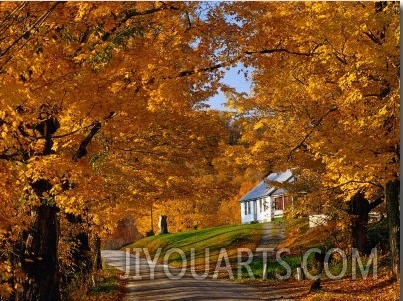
<point x="163" y="287"/>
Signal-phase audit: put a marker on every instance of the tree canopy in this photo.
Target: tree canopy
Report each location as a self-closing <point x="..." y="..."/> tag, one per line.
<point x="102" y="114"/>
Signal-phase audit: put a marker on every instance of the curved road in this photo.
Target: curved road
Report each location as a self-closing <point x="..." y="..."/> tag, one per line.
<point x="162" y="284"/>
<point x="163" y="287"/>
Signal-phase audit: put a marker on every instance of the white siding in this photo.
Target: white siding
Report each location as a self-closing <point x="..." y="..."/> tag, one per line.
<point x="265" y="214"/>
<point x="260" y="210"/>
<point x="265" y="193"/>
<point x="248" y="215"/>
<point x="278" y="213"/>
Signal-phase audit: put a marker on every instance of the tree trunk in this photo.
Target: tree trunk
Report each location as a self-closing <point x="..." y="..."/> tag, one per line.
<point x="162" y="224"/>
<point x="40" y="261"/>
<point x="360" y="208"/>
<point x="80" y="251"/>
<point x="320" y="261"/>
<point x="98" y="259"/>
<point x="393" y="214"/>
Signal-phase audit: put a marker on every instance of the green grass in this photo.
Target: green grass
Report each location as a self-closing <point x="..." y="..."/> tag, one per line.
<point x="229" y="237"/>
<point x="107" y="286"/>
<point x="274" y="268"/>
<point x="107" y="282"/>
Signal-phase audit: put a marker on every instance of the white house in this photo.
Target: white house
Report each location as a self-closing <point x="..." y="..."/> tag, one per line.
<point x="265" y="202"/>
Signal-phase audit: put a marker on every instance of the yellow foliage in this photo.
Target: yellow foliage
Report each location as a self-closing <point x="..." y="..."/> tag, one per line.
<point x="99" y="107"/>
<point x="325" y="98"/>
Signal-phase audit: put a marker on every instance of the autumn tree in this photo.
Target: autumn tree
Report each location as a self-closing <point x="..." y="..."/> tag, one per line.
<point x="100" y="114"/>
<point x="326" y="98"/>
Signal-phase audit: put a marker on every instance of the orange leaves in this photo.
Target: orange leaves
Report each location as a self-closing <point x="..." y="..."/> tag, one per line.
<point x="325" y="97"/>
<point x="86" y="60"/>
<point x="5" y="289"/>
<point x="359" y="289"/>
<point x="340" y="72"/>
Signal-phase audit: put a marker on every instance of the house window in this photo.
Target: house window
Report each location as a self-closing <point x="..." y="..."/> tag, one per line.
<point x="261" y="205"/>
<point x="286" y="202"/>
<point x="247" y="208"/>
<point x="280" y="202"/>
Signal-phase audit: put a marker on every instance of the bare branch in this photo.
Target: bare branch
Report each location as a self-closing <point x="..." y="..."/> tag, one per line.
<point x="373" y="38"/>
<point x="133" y="13"/>
<point x="375" y="203"/>
<point x="274" y="50"/>
<point x="82" y="149"/>
<point x="238" y="58"/>
<point x="358" y="182"/>
<point x="15" y="11"/>
<point x="311" y="131"/>
<point x="96" y="126"/>
<point x="206" y="69"/>
<point x="33" y="26"/>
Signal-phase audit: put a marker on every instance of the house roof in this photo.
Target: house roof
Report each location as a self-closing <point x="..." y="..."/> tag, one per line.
<point x="265" y="189"/>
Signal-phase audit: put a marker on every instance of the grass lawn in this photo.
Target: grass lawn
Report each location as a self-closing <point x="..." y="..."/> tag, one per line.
<point x="201" y="244"/>
<point x="108" y="287"/>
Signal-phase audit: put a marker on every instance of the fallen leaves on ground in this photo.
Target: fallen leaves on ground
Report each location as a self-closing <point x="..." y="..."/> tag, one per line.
<point x="344" y="289"/>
